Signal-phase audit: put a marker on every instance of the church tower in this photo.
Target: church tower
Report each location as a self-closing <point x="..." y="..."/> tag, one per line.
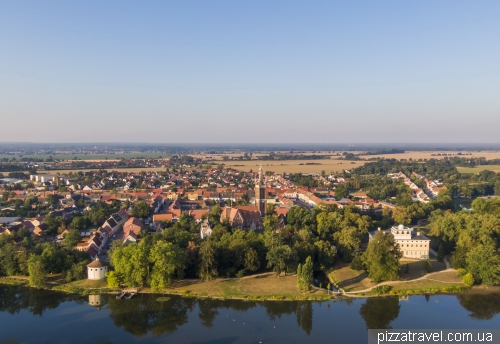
<point x="261" y="193"/>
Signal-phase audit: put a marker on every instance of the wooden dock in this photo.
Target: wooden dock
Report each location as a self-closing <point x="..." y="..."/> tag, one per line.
<point x="127" y="294"/>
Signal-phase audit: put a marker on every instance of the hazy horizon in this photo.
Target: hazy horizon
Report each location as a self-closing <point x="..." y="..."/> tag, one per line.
<point x="385" y="72"/>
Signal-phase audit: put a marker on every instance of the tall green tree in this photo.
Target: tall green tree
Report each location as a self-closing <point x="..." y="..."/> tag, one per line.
<point x="208" y="262"/>
<point x="131" y="263"/>
<point x="381" y="258"/>
<point x="440" y="253"/>
<point x="141" y="209"/>
<point x="348" y="241"/>
<point x="483" y="262"/>
<point x="427" y="265"/>
<point x="401" y="215"/>
<point x="168" y="260"/>
<point x="341" y="191"/>
<point x="72" y="238"/>
<point x="281" y="259"/>
<point x="252" y="262"/>
<point x="305" y="275"/>
<point x="37" y="273"/>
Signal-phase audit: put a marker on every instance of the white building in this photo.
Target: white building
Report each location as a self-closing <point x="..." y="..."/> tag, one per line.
<point x="205" y="229"/>
<point x="412" y="244"/>
<point x="97" y="270"/>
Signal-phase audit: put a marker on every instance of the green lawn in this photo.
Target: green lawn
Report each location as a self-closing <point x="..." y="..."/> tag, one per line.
<point x="352" y="280"/>
<point x="416" y="269"/>
<point x="422" y="284"/>
<point x="477" y="169"/>
<point x="259" y="287"/>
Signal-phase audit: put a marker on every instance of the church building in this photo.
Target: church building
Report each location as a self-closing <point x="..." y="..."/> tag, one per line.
<point x="261" y="193"/>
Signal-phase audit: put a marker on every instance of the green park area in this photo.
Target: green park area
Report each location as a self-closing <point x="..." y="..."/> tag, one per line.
<point x="412" y="275"/>
<point x="259" y="287"/>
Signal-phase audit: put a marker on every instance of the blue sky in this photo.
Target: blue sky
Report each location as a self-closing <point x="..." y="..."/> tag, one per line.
<point x="250" y="71"/>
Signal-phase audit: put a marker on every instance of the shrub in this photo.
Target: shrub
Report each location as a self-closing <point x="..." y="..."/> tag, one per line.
<point x="427" y="265"/>
<point x="461" y="272"/>
<point x="381" y="289"/>
<point x="468" y="279"/>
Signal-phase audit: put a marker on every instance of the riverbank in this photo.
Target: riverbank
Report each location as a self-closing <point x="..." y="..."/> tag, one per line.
<point x="262" y="287"/>
<point x="268" y="286"/>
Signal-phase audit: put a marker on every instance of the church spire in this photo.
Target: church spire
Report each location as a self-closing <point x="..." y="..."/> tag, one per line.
<point x="261" y="193"/>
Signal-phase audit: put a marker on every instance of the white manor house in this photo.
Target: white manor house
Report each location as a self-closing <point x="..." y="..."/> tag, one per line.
<point x="411" y="243"/>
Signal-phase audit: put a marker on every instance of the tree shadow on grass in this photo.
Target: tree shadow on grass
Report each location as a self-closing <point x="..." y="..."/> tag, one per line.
<point x="354" y="282"/>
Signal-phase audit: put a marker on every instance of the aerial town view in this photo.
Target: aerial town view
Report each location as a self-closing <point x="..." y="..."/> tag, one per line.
<point x="249" y="172"/>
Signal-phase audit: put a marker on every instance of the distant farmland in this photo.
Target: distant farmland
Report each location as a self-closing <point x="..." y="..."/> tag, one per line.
<point x="86" y="157"/>
<point x="415" y="155"/>
<point x="280" y="166"/>
<point x="477" y="169"/>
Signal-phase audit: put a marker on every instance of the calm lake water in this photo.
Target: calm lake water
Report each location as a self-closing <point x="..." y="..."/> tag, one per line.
<point x="34" y="316"/>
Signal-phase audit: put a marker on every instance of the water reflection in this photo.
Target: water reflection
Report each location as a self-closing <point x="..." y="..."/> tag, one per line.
<point x="480" y="306"/>
<point x="97" y="301"/>
<point x="15" y="299"/>
<point x="144" y="313"/>
<point x="379" y="312"/>
<point x="156" y="315"/>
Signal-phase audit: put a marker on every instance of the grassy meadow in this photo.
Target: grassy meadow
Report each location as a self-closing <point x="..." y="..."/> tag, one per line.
<point x="267" y="286"/>
<point x="415" y="155"/>
<point x="353" y="280"/>
<point x="477" y="169"/>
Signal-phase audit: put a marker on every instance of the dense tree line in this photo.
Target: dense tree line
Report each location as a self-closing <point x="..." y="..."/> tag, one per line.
<point x="302" y="180"/>
<point x="281" y="156"/>
<point x="472" y="239"/>
<point x="37" y="259"/>
<point x="310" y="239"/>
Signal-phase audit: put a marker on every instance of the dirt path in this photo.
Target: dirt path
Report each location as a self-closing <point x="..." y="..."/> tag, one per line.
<point x="399" y="282"/>
<point x="448" y="265"/>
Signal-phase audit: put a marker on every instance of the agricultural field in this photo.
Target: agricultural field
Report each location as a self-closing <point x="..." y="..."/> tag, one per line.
<point x="230" y="155"/>
<point x="125" y="169"/>
<point x="87" y="157"/>
<point x="415" y="155"/>
<point x="280" y="166"/>
<point x="477" y="169"/>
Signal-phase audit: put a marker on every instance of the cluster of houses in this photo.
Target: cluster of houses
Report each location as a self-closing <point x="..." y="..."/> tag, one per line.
<point x="433" y="187"/>
<point x="98" y="239"/>
<point x="119" y="162"/>
<point x="179" y="194"/>
<point x="9" y="225"/>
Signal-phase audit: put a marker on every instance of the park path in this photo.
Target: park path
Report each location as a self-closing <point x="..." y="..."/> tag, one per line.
<point x="399" y="282"/>
<point x="448" y="265"/>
